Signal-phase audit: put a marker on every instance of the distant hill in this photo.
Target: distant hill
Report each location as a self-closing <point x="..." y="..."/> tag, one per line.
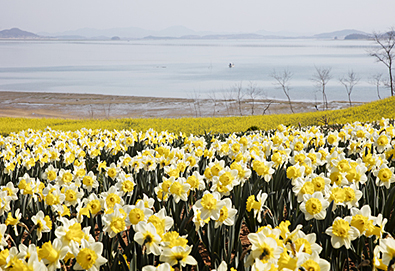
<point x="357" y="37"/>
<point x="16" y="33"/>
<point x="174" y="32"/>
<point x="338" y="34"/>
<point x="127" y="32"/>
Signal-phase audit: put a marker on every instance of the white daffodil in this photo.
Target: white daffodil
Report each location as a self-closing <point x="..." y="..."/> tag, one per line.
<point x="197" y="220"/>
<point x="227" y="214"/>
<point x="89" y="256"/>
<point x="314" y="262"/>
<point x="179" y="190"/>
<point x="263" y="168"/>
<point x="178" y="255"/>
<point x="294" y="172"/>
<point x="314" y="206"/>
<point x="112" y="171"/>
<point x="4" y="202"/>
<point x="302" y="186"/>
<point x="114" y="222"/>
<point x="243" y="172"/>
<point x="50" y="173"/>
<point x="52" y="254"/>
<point x="89" y="181"/>
<point x="210" y="205"/>
<point x="14" y="221"/>
<point x="305" y="243"/>
<point x="147" y="236"/>
<point x="70" y="233"/>
<point x="321" y="183"/>
<point x="3" y="242"/>
<point x="387" y="248"/>
<point x="11" y="190"/>
<point x="196" y="181"/>
<point x="14" y="260"/>
<point x="342" y="232"/>
<point x="362" y="219"/>
<point x="225" y="181"/>
<point x="382" y="142"/>
<point x="161" y="221"/>
<point x="160" y="267"/>
<point x="72" y="194"/>
<point x="53" y="195"/>
<point x="137" y="213"/>
<point x="353" y="195"/>
<point x="65" y="177"/>
<point x="33" y="263"/>
<point x="338" y="177"/>
<point x="125" y="183"/>
<point x="41" y="225"/>
<point x="257" y="205"/>
<point x="222" y="267"/>
<point x="93" y="203"/>
<point x="111" y="197"/>
<point x="378" y="227"/>
<point x="357" y="172"/>
<point x="384" y="176"/>
<point x="148" y="202"/>
<point x="263" y="248"/>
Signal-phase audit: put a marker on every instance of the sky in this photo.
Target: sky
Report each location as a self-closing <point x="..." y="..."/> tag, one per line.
<point x="301" y="16"/>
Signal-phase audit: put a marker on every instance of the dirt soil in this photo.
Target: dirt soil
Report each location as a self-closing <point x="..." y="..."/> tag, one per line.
<point x="84" y="106"/>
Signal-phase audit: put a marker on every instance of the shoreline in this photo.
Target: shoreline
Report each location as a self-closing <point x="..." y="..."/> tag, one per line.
<point x="101" y="106"/>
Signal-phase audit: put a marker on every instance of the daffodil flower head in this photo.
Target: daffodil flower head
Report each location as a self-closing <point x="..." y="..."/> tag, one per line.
<point x="342" y="232"/>
<point x="53" y="253"/>
<point x="315" y="263"/>
<point x="263" y="248"/>
<point x="160" y="267"/>
<point x="137" y="213"/>
<point x="179" y="190"/>
<point x="178" y="255"/>
<point x="227" y="214"/>
<point x="384" y="176"/>
<point x="89" y="256"/>
<point x="41" y="225"/>
<point x="314" y="206"/>
<point x="387" y="248"/>
<point x="147" y="236"/>
<point x="210" y="205"/>
<point x="161" y="222"/>
<point x="115" y="221"/>
<point x="70" y="233"/>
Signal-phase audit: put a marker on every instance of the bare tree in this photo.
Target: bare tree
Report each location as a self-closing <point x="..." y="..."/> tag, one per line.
<point x="239" y="97"/>
<point x="228" y="100"/>
<point x="349" y="82"/>
<point x="195" y="101"/>
<point x="107" y="110"/>
<point x="282" y="81"/>
<point x="321" y="78"/>
<point x="385" y="53"/>
<point x="214" y="100"/>
<point x="253" y="94"/>
<point x="376" y="80"/>
<point x="91" y="111"/>
<point x="267" y="107"/>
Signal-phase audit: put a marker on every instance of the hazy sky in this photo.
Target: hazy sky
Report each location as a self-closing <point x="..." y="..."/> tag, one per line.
<point x="303" y="16"/>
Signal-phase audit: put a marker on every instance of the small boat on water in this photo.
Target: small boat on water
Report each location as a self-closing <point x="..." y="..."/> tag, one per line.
<point x="231" y="65"/>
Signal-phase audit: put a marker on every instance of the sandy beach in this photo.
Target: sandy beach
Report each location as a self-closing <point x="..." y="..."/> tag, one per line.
<point x="84" y="106"/>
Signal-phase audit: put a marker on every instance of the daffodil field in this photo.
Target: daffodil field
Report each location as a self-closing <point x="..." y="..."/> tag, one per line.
<point x="375" y="110"/>
<point x="291" y="198"/>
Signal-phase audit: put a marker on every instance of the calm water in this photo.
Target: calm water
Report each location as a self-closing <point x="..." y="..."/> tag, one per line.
<point x="185" y="68"/>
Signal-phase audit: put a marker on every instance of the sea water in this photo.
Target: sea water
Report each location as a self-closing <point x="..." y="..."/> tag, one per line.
<point x="188" y="68"/>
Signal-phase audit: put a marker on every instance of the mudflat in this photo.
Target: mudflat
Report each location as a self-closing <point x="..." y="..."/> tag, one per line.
<point x="96" y="106"/>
